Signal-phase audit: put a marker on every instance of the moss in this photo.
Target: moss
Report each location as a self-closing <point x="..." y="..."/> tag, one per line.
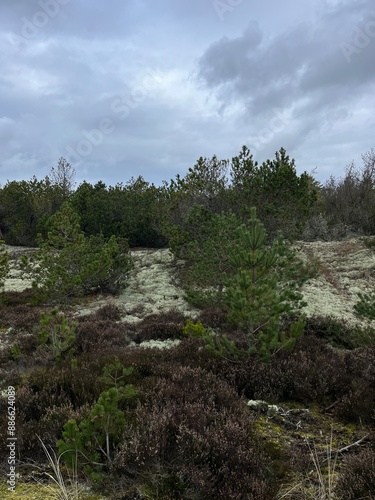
<point x="293" y="436"/>
<point x="34" y="491"/>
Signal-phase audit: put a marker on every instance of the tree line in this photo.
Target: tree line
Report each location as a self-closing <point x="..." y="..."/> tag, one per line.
<point x="171" y="214"/>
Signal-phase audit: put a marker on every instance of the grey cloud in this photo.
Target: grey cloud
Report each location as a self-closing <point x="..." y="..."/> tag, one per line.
<point x="226" y="60"/>
<point x="223" y="81"/>
<point x="306" y="58"/>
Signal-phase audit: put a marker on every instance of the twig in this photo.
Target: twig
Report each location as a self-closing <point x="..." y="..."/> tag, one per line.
<point x="357" y="443"/>
<point x="332" y="405"/>
<point x="346" y="448"/>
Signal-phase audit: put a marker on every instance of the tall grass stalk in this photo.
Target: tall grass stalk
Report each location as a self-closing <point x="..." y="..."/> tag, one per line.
<point x="66" y="489"/>
<point x="321" y="488"/>
<point x="326" y="480"/>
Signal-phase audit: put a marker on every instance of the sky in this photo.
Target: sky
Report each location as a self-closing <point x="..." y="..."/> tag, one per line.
<point x="145" y="87"/>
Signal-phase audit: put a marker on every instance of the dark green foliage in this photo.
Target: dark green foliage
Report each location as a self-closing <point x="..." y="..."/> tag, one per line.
<point x="284" y="200"/>
<point x="4" y="264"/>
<point x="93" y="439"/>
<point x="256" y="281"/>
<point x="193" y="200"/>
<point x="264" y="289"/>
<point x="114" y="375"/>
<point x="21" y="207"/>
<point x="133" y="211"/>
<point x="188" y="433"/>
<point x="366" y="305"/>
<point x="69" y="265"/>
<point x="203" y="185"/>
<point x="56" y="335"/>
<point x="207" y="255"/>
<point x="25" y="206"/>
<point x="218" y="345"/>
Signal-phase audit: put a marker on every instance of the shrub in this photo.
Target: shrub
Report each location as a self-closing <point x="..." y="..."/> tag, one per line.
<point x="357" y="476"/>
<point x="191" y="436"/>
<point x="312" y="372"/>
<point x="19" y="316"/>
<point x="4" y="263"/>
<point x="69" y="265"/>
<point x="213" y="317"/>
<point x="349" y="201"/>
<point x="338" y="332"/>
<point x="110" y="312"/>
<point x="95" y="437"/>
<point x="264" y="289"/>
<point x="100" y="336"/>
<point x="56" y="335"/>
<point x="366" y="305"/>
<point x="160" y="326"/>
<point x="358" y="402"/>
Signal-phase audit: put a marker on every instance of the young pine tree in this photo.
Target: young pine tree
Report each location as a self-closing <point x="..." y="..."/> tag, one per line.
<point x="70" y="265"/>
<point x="4" y="264"/>
<point x="264" y="289"/>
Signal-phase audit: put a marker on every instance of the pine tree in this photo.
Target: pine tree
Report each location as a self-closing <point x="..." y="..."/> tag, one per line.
<point x="90" y="443"/>
<point x="263" y="290"/>
<point x="4" y="264"/>
<point x="56" y="335"/>
<point x="70" y="265"/>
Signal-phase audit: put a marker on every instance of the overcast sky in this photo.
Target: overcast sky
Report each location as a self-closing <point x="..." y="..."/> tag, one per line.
<point x="145" y="87"/>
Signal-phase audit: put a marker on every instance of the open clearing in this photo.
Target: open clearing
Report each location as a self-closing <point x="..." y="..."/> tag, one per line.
<point x="346" y="268"/>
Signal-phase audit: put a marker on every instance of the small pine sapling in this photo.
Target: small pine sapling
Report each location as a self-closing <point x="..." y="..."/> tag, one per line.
<point x="4" y="264"/>
<point x="56" y="335"/>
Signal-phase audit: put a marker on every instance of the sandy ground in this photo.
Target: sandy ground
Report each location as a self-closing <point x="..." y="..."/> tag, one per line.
<point x="346" y="268"/>
<point x="152" y="288"/>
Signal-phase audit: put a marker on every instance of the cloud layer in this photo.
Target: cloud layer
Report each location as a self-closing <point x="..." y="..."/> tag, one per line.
<point x="139" y="88"/>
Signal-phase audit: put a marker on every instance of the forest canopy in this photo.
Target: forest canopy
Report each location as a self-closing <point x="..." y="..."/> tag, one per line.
<point x="158" y="216"/>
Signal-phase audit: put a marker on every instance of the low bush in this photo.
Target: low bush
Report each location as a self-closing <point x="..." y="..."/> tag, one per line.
<point x="312" y="372"/>
<point x="110" y="312"/>
<point x="162" y="326"/>
<point x="358" y="402"/>
<point x="191" y="437"/>
<point x="357" y="476"/>
<point x="19" y="316"/>
<point x="213" y="317"/>
<point x="69" y="265"/>
<point x="100" y="335"/>
<point x="338" y="332"/>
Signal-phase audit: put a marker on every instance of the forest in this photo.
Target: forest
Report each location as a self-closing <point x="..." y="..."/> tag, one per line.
<point x="249" y="398"/>
<point x="151" y="216"/>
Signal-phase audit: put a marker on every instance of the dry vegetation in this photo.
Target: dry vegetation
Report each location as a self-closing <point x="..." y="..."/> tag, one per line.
<point x="190" y="432"/>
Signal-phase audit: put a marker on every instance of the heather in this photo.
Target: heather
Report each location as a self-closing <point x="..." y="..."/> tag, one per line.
<point x="231" y="356"/>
